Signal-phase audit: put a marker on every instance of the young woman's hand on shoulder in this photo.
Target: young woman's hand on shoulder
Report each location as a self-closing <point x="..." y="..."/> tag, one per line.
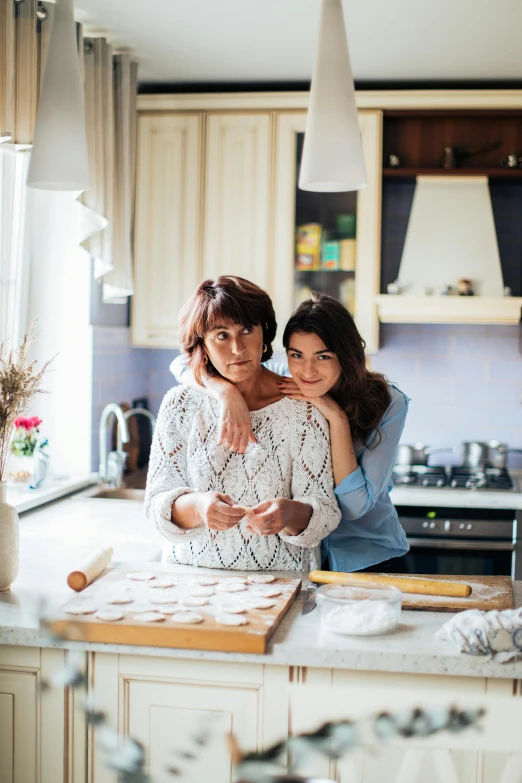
<point x="331" y="411"/>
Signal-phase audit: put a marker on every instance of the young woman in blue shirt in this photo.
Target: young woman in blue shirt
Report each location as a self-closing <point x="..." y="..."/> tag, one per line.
<point x="366" y="415"/>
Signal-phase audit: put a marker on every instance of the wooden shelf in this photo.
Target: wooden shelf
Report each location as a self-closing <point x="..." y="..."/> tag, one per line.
<point x="449" y="309"/>
<point x="406" y="171"/>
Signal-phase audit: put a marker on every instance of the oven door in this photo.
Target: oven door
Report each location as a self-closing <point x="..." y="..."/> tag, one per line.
<point x="460" y="541"/>
<point x="466" y="558"/>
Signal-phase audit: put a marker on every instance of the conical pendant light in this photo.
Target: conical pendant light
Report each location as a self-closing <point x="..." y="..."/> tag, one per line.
<point x="59" y="156"/>
<point x="332" y="155"/>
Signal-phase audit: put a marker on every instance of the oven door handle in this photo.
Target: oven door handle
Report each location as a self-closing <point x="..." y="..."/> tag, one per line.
<point x="472" y="546"/>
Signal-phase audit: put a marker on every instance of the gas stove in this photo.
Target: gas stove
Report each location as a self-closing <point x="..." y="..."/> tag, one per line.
<point x="485" y="477"/>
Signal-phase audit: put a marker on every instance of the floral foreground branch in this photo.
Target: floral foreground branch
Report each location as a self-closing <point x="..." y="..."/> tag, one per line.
<point x="19" y="382"/>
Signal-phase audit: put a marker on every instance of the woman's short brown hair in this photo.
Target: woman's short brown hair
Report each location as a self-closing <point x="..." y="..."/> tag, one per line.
<point x="227" y="297"/>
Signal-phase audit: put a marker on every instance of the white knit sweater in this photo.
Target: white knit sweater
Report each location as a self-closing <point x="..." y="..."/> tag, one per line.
<point x="291" y="459"/>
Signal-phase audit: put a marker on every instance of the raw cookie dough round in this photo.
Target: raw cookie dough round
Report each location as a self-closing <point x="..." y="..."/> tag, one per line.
<point x="206" y="581"/>
<point x="230" y="619"/>
<point x="232" y="608"/>
<point x="261" y="579"/>
<point x="169" y="609"/>
<point x="119" y="599"/>
<point x="261" y="603"/>
<point x="187" y="617"/>
<point x="268" y="592"/>
<point x="193" y="600"/>
<point x="201" y="592"/>
<point x="231" y="587"/>
<point x="150" y="617"/>
<point x="85" y="608"/>
<point x="141" y="576"/>
<point x="110" y="615"/>
<point x="162" y="581"/>
<point x="142" y="608"/>
<point x="162" y="599"/>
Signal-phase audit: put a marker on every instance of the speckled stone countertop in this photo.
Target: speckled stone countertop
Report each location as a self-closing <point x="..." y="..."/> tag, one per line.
<point x="56" y="537"/>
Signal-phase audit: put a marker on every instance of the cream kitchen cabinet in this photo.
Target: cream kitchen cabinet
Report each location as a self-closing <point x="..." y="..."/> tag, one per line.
<point x="42" y="734"/>
<point x="167" y="240"/>
<point x="236" y="235"/>
<point x="216" y="185"/>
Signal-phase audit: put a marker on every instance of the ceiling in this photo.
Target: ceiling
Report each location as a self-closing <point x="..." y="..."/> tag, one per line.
<point x="209" y="41"/>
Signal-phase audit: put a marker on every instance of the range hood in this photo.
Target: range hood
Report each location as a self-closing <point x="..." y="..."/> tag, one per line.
<point x="450" y="235"/>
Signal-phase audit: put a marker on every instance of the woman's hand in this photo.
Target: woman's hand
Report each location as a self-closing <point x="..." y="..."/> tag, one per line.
<point x="213" y="509"/>
<point x="273" y="516"/>
<point x="235" y="425"/>
<point x="331" y="411"/>
<point x="217" y="511"/>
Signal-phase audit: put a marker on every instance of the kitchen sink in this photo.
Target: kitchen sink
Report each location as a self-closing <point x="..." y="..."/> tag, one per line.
<point x="119" y="493"/>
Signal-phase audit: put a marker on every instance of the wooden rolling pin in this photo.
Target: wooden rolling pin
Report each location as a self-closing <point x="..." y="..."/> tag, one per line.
<point x="408" y="584"/>
<point x="90" y="568"/>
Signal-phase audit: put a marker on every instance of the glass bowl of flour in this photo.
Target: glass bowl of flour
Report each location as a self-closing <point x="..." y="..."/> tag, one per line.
<point x="359" y="611"/>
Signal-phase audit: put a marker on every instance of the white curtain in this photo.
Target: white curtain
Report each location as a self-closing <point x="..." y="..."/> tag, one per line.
<point x="14" y="253"/>
<point x="107" y="208"/>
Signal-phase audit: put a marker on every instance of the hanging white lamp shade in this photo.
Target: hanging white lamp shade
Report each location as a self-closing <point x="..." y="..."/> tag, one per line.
<point x="59" y="156"/>
<point x="332" y="155"/>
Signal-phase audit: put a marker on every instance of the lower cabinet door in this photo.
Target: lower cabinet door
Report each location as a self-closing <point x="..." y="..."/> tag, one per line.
<point x="18" y="727"/>
<point x="185" y="727"/>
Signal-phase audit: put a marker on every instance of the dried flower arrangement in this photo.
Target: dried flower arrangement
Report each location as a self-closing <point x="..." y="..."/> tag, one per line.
<point x="20" y="380"/>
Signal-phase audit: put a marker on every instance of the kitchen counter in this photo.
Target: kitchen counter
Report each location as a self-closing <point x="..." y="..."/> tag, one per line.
<point x="25" y="499"/>
<point x="57" y="536"/>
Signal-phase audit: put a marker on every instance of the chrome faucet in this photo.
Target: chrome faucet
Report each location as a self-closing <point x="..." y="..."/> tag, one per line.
<point x="113" y="463"/>
<point x="40" y="463"/>
<point x="135" y="412"/>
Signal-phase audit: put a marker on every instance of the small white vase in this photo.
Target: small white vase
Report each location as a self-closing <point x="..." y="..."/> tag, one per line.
<point x="9" y="541"/>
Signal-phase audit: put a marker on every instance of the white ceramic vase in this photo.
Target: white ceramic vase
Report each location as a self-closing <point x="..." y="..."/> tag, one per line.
<point x="9" y="541"/>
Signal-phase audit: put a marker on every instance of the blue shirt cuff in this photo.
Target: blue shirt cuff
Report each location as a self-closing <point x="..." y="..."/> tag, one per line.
<point x="353" y="481"/>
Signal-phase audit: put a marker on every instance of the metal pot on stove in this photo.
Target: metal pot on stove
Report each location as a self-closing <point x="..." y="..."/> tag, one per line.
<point x="477" y="454"/>
<point x="416" y="454"/>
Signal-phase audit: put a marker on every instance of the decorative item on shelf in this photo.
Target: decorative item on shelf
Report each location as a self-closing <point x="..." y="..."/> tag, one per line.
<point x="453" y="156"/>
<point x="59" y="158"/>
<point x="511" y="161"/>
<point x="25" y="438"/>
<point x="394" y="161"/>
<point x="347" y="294"/>
<point x="346" y="226"/>
<point x="507" y="291"/>
<point x="395" y="288"/>
<point x="347" y="262"/>
<point x="331" y="255"/>
<point x="447" y="290"/>
<point x="332" y="158"/>
<point x="465" y="286"/>
<point x="308" y="246"/>
<point x="427" y="290"/>
<point x="19" y="382"/>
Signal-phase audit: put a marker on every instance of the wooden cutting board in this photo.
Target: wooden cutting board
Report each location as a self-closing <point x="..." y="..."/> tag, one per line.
<point x="487" y="592"/>
<point x="207" y="635"/>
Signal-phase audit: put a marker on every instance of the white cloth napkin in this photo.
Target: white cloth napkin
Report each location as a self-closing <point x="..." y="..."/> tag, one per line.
<point x="497" y="634"/>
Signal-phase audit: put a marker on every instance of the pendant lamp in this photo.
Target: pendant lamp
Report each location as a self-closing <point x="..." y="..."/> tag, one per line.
<point x="332" y="154"/>
<point x="59" y="156"/>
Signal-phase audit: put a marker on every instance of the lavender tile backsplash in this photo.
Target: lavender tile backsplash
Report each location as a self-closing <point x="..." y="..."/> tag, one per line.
<point x="465" y="382"/>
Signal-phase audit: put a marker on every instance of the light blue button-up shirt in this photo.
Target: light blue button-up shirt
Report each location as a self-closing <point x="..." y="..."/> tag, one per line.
<point x="369" y="531"/>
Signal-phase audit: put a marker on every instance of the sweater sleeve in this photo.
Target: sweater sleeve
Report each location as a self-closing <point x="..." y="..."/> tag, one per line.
<point x="167" y="477"/>
<point x="312" y="478"/>
<point x="359" y="491"/>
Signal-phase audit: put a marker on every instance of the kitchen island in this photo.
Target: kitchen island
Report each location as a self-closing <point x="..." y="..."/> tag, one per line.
<point x="159" y="695"/>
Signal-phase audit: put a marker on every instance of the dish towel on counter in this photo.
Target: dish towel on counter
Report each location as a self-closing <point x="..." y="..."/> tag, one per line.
<point x="498" y="634"/>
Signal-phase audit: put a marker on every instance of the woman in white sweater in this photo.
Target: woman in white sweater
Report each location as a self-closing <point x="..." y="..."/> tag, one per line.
<point x="268" y="508"/>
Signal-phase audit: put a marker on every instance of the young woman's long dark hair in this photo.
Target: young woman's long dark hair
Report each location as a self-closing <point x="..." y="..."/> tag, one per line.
<point x="363" y="394"/>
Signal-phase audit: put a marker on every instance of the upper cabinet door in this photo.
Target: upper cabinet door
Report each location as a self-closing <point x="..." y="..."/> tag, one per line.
<point x="339" y="233"/>
<point x="237" y="197"/>
<point x="167" y="233"/>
